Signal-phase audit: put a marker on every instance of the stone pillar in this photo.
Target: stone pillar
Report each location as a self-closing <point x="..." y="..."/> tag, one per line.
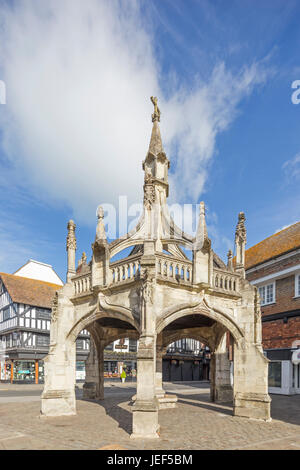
<point x="93" y="387"/>
<point x="71" y="250"/>
<point x="240" y="243"/>
<point x="100" y="388"/>
<point x="159" y="391"/>
<point x="221" y="389"/>
<point x="250" y="386"/>
<point x="145" y="408"/>
<point x="58" y="397"/>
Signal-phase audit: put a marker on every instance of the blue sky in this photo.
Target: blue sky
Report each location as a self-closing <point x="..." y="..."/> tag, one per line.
<point x="76" y="124"/>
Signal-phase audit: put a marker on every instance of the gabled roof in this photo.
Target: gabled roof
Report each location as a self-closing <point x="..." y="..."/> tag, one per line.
<point x="37" y="270"/>
<point x="29" y="291"/>
<point x="277" y="244"/>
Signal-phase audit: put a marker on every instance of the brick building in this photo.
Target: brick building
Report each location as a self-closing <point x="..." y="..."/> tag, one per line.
<point x="273" y="265"/>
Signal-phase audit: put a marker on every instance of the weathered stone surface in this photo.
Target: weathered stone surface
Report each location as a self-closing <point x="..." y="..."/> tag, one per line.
<point x="158" y="295"/>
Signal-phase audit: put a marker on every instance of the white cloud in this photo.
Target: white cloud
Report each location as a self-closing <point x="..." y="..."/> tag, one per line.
<point x="79" y="76"/>
<point x="291" y="168"/>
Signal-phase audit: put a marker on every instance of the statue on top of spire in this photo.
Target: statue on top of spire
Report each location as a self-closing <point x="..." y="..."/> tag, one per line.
<point x="156" y="114"/>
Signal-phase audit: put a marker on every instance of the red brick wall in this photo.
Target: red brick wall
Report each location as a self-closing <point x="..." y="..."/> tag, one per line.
<point x="277" y="334"/>
<point x="284" y="296"/>
<point x="273" y="268"/>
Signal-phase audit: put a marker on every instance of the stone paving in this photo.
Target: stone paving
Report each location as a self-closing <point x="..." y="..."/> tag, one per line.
<point x="196" y="424"/>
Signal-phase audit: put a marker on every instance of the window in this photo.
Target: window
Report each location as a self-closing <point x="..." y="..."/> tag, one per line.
<point x="42" y="340"/>
<point x="132" y="345"/>
<point x="79" y="343"/>
<point x="275" y="374"/>
<point x="297" y="285"/>
<point x="43" y="314"/>
<point x="6" y="313"/>
<point x="267" y="294"/>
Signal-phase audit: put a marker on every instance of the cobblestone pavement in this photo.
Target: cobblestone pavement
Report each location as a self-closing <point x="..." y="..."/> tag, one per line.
<point x="195" y="424"/>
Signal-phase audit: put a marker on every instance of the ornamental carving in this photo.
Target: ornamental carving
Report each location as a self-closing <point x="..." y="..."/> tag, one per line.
<point x="147" y="287"/>
<point x="240" y="233"/>
<point x="71" y="238"/>
<point x="54" y="313"/>
<point x="149" y="195"/>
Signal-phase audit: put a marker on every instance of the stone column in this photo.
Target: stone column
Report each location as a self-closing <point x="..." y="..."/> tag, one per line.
<point x="93" y="387"/>
<point x="145" y="408"/>
<point x="159" y="391"/>
<point x="100" y="388"/>
<point x="250" y="386"/>
<point x="240" y="243"/>
<point x="71" y="250"/>
<point x="58" y="397"/>
<point x="221" y="389"/>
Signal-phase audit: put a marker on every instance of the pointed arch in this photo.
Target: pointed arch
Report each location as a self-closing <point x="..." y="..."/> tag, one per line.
<point x="201" y="308"/>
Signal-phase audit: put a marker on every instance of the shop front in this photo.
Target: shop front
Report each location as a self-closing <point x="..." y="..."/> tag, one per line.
<point x="284" y="373"/>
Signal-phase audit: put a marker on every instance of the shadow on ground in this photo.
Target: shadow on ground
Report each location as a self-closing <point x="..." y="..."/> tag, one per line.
<point x="202" y="402"/>
<point x="113" y="409"/>
<point x="286" y="408"/>
<point x="283" y="408"/>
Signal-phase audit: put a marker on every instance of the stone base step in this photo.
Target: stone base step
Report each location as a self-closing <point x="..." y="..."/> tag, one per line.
<point x="164" y="401"/>
<point x="167" y="401"/>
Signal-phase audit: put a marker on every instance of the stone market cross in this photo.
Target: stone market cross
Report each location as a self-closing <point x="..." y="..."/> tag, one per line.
<point x="157" y="295"/>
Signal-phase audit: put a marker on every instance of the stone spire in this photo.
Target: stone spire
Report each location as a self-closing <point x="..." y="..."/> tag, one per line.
<point x="71" y="249"/>
<point x="100" y="230"/>
<point x="240" y="243"/>
<point x="155" y="146"/>
<point x="202" y="239"/>
<point x="202" y="255"/>
<point x="156" y="163"/>
<point x="229" y="260"/>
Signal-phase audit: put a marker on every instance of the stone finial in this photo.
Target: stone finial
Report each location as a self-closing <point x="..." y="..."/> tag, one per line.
<point x="100" y="230"/>
<point x="82" y="259"/>
<point x="71" y="238"/>
<point x="71" y="249"/>
<point x="240" y="232"/>
<point x="202" y="239"/>
<point x="240" y="243"/>
<point x="156" y="114"/>
<point x="229" y="260"/>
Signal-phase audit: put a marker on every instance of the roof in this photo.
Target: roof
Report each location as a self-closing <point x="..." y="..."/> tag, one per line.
<point x="277" y="244"/>
<point x="41" y="271"/>
<point x="29" y="291"/>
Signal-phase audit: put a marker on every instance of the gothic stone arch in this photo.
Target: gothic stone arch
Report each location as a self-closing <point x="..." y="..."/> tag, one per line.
<point x="152" y="294"/>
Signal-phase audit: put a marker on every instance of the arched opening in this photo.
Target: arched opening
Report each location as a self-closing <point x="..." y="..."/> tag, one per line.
<point x="110" y="333"/>
<point x="186" y="360"/>
<point x="216" y="333"/>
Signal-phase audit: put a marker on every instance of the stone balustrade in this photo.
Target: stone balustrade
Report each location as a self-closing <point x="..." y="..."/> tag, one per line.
<point x="225" y="281"/>
<point x="82" y="283"/>
<point x="173" y="269"/>
<point x="125" y="269"/>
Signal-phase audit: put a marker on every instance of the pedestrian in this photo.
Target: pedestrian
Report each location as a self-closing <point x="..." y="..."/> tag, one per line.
<point x="123" y="375"/>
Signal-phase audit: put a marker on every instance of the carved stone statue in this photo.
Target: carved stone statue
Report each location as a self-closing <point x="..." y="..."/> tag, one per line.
<point x="156" y="114"/>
